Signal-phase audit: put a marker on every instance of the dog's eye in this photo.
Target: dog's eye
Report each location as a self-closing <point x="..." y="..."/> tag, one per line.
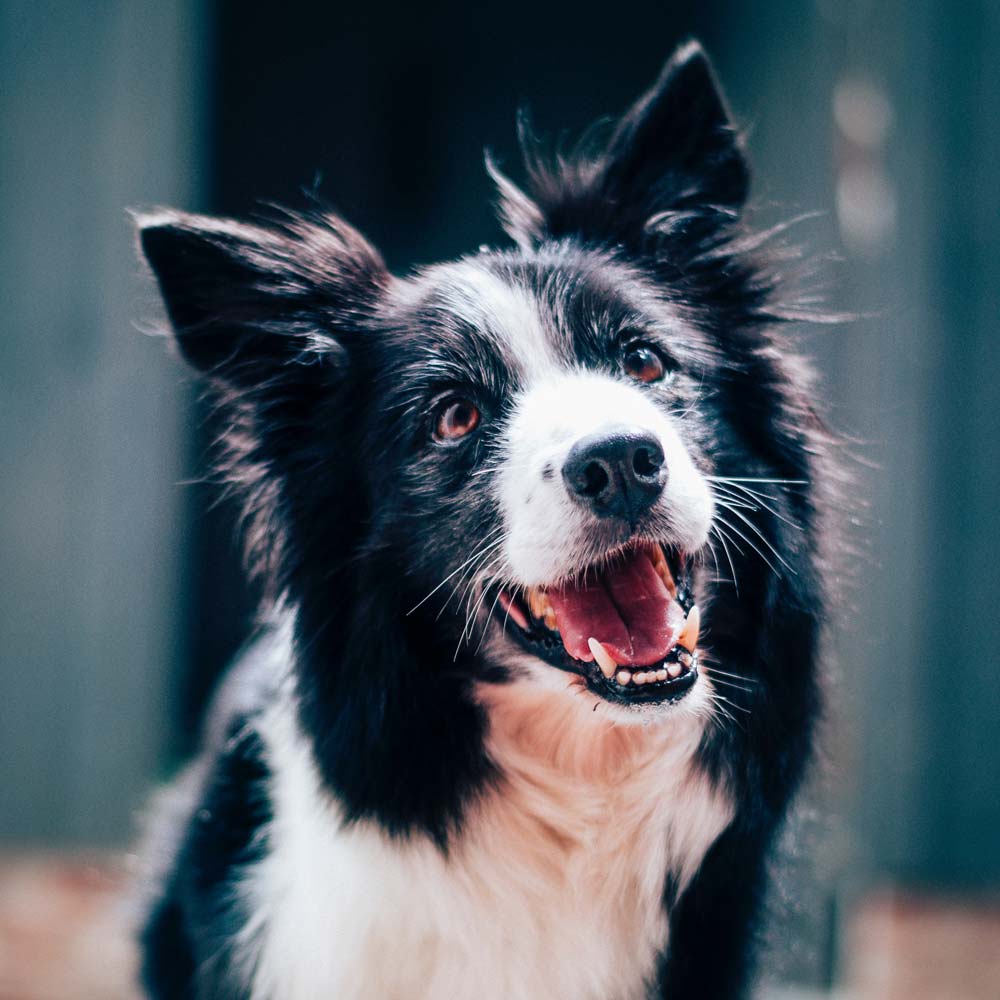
<point x="455" y="418"/>
<point x="643" y="362"/>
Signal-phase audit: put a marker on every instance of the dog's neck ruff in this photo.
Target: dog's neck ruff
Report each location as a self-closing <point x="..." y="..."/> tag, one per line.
<point x="554" y="886"/>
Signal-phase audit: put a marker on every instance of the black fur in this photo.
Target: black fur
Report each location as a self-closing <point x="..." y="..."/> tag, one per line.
<point x="189" y="933"/>
<point x="291" y="320"/>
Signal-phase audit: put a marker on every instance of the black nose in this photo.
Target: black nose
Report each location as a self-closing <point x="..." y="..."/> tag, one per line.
<point x="617" y="473"/>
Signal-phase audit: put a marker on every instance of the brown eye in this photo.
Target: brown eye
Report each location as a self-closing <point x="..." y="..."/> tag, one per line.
<point x="455" y="419"/>
<point x="644" y="362"/>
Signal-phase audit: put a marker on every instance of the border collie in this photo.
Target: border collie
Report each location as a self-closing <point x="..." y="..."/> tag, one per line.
<point x="540" y="533"/>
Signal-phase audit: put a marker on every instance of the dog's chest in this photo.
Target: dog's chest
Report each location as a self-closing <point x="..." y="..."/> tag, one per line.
<point x="555" y="889"/>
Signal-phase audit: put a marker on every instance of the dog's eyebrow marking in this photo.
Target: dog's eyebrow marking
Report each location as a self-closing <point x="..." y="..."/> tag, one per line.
<point x="505" y="311"/>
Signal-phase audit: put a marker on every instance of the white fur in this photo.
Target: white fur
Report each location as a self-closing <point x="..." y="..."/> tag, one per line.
<point x="553" y="889"/>
<point x="508" y="314"/>
<point x="547" y="536"/>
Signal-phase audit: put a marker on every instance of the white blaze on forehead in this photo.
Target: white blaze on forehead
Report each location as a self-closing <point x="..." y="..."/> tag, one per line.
<point x="547" y="532"/>
<point x="505" y="312"/>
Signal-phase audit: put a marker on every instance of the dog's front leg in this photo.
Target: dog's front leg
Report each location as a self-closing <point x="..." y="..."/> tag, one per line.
<point x="712" y="939"/>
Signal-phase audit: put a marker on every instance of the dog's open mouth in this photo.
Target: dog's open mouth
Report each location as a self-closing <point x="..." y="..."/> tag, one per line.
<point x="629" y="627"/>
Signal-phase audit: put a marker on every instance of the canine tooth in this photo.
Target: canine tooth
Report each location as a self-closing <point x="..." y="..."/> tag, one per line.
<point x="623" y="677"/>
<point x="674" y="669"/>
<point x="604" y="659"/>
<point x="661" y="674"/>
<point x="551" y="622"/>
<point x="689" y="637"/>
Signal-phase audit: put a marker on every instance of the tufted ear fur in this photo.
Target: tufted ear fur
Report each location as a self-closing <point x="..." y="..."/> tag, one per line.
<point x="251" y="303"/>
<point x="272" y="313"/>
<point x="676" y="151"/>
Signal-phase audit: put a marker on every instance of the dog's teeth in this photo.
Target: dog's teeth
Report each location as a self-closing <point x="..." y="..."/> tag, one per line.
<point x="685" y="659"/>
<point x="541" y="607"/>
<point x="639" y="678"/>
<point x="674" y="669"/>
<point x="604" y="659"/>
<point x="661" y="674"/>
<point x="536" y="603"/>
<point x="663" y="570"/>
<point x="623" y="677"/>
<point x="689" y="637"/>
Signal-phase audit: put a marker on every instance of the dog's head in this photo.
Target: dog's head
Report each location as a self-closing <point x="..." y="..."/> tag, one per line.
<point x="509" y="465"/>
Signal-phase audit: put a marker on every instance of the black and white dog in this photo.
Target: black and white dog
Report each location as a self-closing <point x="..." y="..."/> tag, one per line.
<point x="540" y="530"/>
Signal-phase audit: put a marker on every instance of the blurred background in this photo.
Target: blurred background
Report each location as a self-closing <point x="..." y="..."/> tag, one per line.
<point x="120" y="590"/>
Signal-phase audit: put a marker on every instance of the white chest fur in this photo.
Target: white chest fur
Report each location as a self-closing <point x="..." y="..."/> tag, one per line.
<point x="553" y="890"/>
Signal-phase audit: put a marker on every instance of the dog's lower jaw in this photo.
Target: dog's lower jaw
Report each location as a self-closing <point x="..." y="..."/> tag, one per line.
<point x="552" y="719"/>
<point x="554" y="885"/>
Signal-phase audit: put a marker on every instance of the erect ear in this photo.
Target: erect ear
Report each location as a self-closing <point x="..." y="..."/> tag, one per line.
<point x="248" y="302"/>
<point x="678" y="141"/>
<point x="675" y="151"/>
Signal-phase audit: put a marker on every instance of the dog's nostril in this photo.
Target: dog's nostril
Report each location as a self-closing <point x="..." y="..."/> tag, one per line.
<point x="646" y="462"/>
<point x="594" y="480"/>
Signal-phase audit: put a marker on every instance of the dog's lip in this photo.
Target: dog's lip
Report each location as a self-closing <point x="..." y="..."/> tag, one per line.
<point x="659" y="692"/>
<point x="533" y="621"/>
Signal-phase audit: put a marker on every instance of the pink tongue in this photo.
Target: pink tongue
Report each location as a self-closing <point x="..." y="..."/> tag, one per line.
<point x="628" y="608"/>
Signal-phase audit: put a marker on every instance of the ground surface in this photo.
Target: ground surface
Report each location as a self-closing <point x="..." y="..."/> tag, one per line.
<point x="64" y="935"/>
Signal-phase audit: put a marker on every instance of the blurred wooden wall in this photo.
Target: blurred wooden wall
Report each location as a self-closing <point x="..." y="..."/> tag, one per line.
<point x="99" y="112"/>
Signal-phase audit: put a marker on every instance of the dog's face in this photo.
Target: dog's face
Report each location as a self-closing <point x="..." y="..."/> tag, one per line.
<point x="542" y="464"/>
<point x="522" y="441"/>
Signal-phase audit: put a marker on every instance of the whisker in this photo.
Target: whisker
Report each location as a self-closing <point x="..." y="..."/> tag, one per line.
<point x="473" y="611"/>
<point x="506" y="617"/>
<point x="732" y="704"/>
<point x="468" y="578"/>
<point x="715" y="559"/>
<point x="753" y="527"/>
<point x="719" y="710"/>
<point x="475" y="555"/>
<point x="733" y="528"/>
<point x="761" y="499"/>
<point x="726" y="673"/>
<point x="723" y="533"/>
<point x="719" y="680"/>
<point x="753" y="479"/>
<point x="731" y="496"/>
<point x="729" y="558"/>
<point x="486" y="622"/>
<point x="729" y="505"/>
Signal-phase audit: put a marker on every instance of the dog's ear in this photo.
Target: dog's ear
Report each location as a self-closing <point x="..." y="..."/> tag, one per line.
<point x="250" y="302"/>
<point x="676" y="151"/>
<point x="677" y="146"/>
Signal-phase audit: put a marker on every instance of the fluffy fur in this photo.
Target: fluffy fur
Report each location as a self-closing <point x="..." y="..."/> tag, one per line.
<point x="396" y="798"/>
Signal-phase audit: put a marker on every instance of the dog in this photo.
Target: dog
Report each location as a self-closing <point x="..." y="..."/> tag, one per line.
<point x="541" y="532"/>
